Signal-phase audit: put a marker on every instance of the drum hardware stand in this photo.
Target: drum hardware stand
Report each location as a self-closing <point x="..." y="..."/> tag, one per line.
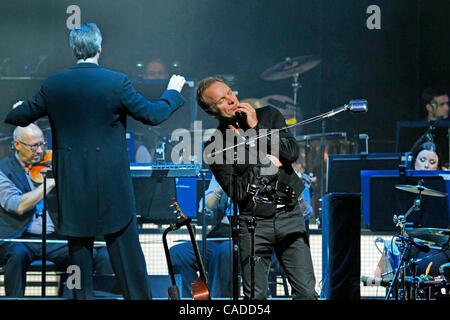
<point x="295" y="85"/>
<point x="414" y="285"/>
<point x="353" y="106"/>
<point x="400" y="221"/>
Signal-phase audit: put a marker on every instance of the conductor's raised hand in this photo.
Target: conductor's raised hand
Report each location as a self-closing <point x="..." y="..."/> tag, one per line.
<point x="176" y="82"/>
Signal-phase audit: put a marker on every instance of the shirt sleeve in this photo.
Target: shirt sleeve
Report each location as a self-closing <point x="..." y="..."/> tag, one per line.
<point x="10" y="195"/>
<point x="213" y="185"/>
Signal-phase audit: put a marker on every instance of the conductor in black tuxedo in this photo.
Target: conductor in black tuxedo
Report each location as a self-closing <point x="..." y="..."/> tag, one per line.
<point x="87" y="107"/>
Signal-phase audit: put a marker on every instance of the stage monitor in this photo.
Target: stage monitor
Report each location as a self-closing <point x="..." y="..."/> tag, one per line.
<point x="343" y="172"/>
<point x="408" y="132"/>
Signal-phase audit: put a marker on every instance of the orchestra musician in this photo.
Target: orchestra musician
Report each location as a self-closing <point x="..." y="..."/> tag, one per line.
<point x="21" y="206"/>
<point x="427" y="157"/>
<point x="436" y="103"/>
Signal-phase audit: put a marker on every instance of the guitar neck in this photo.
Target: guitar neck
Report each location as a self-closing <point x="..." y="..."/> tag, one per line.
<point x="197" y="252"/>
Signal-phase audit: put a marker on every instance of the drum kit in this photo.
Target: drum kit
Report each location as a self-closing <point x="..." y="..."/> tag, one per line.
<point x="423" y="239"/>
<point x="289" y="68"/>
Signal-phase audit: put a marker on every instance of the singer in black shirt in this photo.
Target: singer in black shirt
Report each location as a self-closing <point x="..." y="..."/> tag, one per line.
<point x="267" y="189"/>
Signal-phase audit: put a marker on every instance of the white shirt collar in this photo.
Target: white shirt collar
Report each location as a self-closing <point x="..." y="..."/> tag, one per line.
<point x="88" y="60"/>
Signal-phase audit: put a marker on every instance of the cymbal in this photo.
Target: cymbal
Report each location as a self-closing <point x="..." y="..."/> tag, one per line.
<point x="278" y="101"/>
<point x="254" y="102"/>
<point x="438" y="236"/>
<point x="423" y="190"/>
<point x="290" y="67"/>
<point x="285" y="105"/>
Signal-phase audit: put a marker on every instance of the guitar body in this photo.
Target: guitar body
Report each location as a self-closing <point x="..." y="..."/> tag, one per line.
<point x="200" y="290"/>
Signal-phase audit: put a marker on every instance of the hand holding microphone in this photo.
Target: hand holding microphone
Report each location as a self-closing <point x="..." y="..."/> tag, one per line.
<point x="249" y="113"/>
<point x="176" y="82"/>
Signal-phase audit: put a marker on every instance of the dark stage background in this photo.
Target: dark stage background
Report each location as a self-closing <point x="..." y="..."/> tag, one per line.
<point x="389" y="66"/>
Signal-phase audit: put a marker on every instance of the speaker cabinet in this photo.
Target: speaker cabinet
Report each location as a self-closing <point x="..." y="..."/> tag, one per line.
<point x="341" y="225"/>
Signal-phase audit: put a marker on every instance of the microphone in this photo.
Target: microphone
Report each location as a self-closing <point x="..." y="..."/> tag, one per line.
<point x="422" y="247"/>
<point x="359" y="105"/>
<point x="375" y="282"/>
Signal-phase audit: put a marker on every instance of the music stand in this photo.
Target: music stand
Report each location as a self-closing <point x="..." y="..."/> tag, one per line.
<point x="153" y="197"/>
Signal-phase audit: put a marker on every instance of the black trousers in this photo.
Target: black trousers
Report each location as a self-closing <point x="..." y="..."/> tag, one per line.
<point x="127" y="260"/>
<point x="18" y="256"/>
<point x="285" y="235"/>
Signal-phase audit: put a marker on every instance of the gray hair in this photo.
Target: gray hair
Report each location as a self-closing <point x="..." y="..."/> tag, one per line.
<point x="85" y="40"/>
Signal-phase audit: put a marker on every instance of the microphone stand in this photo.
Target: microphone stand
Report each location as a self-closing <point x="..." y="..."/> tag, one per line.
<point x="346" y="107"/>
<point x="44" y="236"/>
<point x="235" y="231"/>
<point x="319" y="117"/>
<point x="430" y="130"/>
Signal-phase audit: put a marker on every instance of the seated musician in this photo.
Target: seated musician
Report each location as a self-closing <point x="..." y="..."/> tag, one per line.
<point x="21" y="206"/>
<point x="427" y="158"/>
<point x="436" y="102"/>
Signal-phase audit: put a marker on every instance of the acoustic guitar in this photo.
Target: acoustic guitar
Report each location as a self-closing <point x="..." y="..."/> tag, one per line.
<point x="200" y="290"/>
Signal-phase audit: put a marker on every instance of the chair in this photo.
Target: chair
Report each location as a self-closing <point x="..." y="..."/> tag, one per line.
<point x="36" y="268"/>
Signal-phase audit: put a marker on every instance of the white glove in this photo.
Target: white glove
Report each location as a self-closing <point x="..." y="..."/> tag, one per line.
<point x="18" y="103"/>
<point x="176" y="83"/>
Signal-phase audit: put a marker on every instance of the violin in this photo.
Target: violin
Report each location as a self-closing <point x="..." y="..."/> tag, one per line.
<point x="36" y="169"/>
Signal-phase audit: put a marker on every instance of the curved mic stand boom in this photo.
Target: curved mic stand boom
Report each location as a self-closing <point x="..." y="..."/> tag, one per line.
<point x="353" y="106"/>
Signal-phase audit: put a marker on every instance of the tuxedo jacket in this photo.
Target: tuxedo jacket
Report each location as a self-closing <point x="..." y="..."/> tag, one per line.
<point x="87" y="107"/>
